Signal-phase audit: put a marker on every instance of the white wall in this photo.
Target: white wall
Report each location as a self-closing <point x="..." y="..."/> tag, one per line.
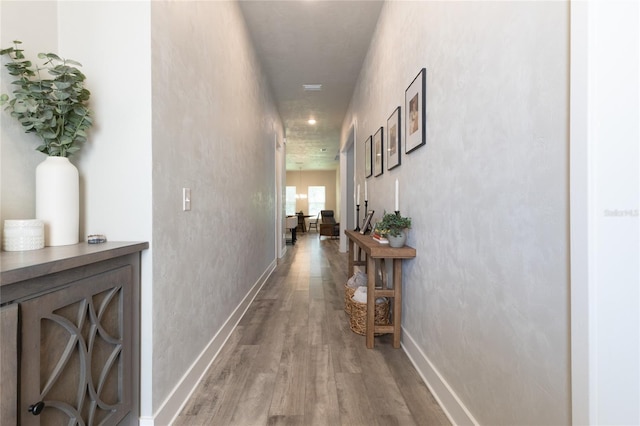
<point x="213" y="131"/>
<point x="605" y="198"/>
<point x="112" y="41"/>
<point x="486" y="308"/>
<point x="18" y="157"/>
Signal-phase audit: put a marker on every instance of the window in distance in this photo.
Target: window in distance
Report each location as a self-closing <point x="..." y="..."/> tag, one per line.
<point x="316" y="200"/>
<point x="290" y="200"/>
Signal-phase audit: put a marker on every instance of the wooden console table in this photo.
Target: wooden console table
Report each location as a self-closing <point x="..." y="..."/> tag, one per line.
<point x="373" y="251"/>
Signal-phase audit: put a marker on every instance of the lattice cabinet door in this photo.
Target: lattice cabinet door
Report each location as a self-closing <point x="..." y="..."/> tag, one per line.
<point x="76" y="358"/>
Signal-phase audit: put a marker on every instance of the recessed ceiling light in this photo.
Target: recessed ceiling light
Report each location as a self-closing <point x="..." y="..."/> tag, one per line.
<point x="312" y="87"/>
<point x="311" y="121"/>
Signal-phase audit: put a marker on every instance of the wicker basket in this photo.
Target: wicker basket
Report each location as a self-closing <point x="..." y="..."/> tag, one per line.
<point x="358" y="318"/>
<point x="348" y="294"/>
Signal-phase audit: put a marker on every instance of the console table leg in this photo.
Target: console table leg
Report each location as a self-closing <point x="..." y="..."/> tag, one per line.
<point x="371" y="300"/>
<point x="397" y="301"/>
<point x="350" y="254"/>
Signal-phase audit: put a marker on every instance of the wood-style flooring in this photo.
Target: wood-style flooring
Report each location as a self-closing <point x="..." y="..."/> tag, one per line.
<point x="293" y="359"/>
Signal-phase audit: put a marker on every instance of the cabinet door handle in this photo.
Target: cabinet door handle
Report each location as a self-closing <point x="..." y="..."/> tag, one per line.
<point x="36" y="408"/>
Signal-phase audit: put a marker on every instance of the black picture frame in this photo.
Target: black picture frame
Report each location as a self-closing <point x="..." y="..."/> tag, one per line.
<point x="394" y="138"/>
<point x="378" y="152"/>
<point x="367" y="222"/>
<point x="368" y="170"/>
<point x="415" y="107"/>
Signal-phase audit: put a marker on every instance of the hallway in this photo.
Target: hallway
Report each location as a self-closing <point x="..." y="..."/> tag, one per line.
<point x="293" y="360"/>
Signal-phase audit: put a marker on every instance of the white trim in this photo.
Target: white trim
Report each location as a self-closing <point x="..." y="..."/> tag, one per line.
<point x="582" y="338"/>
<point x="452" y="406"/>
<point x="604" y="249"/>
<point x="344" y="167"/>
<point x="181" y="393"/>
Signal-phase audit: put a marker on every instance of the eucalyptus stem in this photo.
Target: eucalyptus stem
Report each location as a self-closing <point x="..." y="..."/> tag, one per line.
<point x="59" y="102"/>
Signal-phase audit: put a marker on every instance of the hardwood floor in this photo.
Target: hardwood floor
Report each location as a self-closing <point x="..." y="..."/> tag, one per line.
<point x="293" y="360"/>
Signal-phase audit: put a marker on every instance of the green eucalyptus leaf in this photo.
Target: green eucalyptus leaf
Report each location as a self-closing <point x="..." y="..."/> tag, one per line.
<point x="61" y="95"/>
<point x="54" y="108"/>
<point x="49" y="56"/>
<point x="61" y="85"/>
<point x="20" y="108"/>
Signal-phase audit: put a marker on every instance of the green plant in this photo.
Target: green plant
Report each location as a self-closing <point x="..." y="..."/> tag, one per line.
<point x="392" y="224"/>
<point x="53" y="108"/>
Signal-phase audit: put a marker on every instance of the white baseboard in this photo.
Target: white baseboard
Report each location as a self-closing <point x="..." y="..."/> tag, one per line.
<point x="179" y="396"/>
<point x="452" y="406"/>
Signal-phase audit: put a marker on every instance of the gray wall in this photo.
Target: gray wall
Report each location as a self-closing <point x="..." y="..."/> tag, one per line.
<point x="204" y="119"/>
<point x="213" y="130"/>
<point x="486" y="300"/>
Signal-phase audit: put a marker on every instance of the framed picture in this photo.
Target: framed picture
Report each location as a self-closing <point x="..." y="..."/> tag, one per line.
<point x="367" y="222"/>
<point x="394" y="135"/>
<point x="377" y="152"/>
<point x="367" y="157"/>
<point x="415" y="109"/>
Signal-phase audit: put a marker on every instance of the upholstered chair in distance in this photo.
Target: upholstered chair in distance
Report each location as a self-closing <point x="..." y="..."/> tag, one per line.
<point x="328" y="225"/>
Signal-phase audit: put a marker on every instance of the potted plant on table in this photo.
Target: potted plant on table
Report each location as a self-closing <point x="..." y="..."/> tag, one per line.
<point x="394" y="227"/>
<point x="54" y="107"/>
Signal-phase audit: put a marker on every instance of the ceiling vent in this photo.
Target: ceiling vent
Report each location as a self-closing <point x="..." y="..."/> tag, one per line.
<point x="312" y="87"/>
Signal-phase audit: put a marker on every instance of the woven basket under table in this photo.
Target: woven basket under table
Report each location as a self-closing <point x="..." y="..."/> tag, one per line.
<point x="348" y="294"/>
<point x="358" y="317"/>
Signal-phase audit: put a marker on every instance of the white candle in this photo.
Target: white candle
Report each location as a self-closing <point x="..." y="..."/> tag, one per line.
<point x="358" y="195"/>
<point x="366" y="196"/>
<point x="397" y="204"/>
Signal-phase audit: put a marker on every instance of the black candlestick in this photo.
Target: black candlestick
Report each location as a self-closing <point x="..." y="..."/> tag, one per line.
<point x="357" y="217"/>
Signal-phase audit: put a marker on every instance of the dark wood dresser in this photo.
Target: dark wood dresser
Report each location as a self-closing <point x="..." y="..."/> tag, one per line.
<point x="70" y="333"/>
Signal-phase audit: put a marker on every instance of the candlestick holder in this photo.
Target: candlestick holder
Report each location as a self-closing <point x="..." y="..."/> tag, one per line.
<point x="357" y="217"/>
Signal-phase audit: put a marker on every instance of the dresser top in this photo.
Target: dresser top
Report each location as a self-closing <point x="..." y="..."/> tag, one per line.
<point x="16" y="266"/>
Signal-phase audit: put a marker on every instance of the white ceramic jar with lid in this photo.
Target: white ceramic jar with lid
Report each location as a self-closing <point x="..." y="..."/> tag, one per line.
<point x="21" y="235"/>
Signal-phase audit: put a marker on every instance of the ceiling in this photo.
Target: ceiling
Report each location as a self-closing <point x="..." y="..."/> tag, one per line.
<point x="309" y="42"/>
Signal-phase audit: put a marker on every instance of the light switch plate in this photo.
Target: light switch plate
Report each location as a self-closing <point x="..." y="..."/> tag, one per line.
<point x="186" y="199"/>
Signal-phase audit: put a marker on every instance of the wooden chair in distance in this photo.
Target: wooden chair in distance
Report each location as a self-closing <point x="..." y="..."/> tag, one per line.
<point x="314" y="223"/>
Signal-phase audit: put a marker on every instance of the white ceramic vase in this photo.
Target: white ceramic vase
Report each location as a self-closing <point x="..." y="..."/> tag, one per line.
<point x="58" y="201"/>
<point x="399" y="240"/>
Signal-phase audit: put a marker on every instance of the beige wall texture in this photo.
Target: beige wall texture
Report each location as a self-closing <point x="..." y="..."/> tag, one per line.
<point x="486" y="303"/>
<point x="304" y="179"/>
